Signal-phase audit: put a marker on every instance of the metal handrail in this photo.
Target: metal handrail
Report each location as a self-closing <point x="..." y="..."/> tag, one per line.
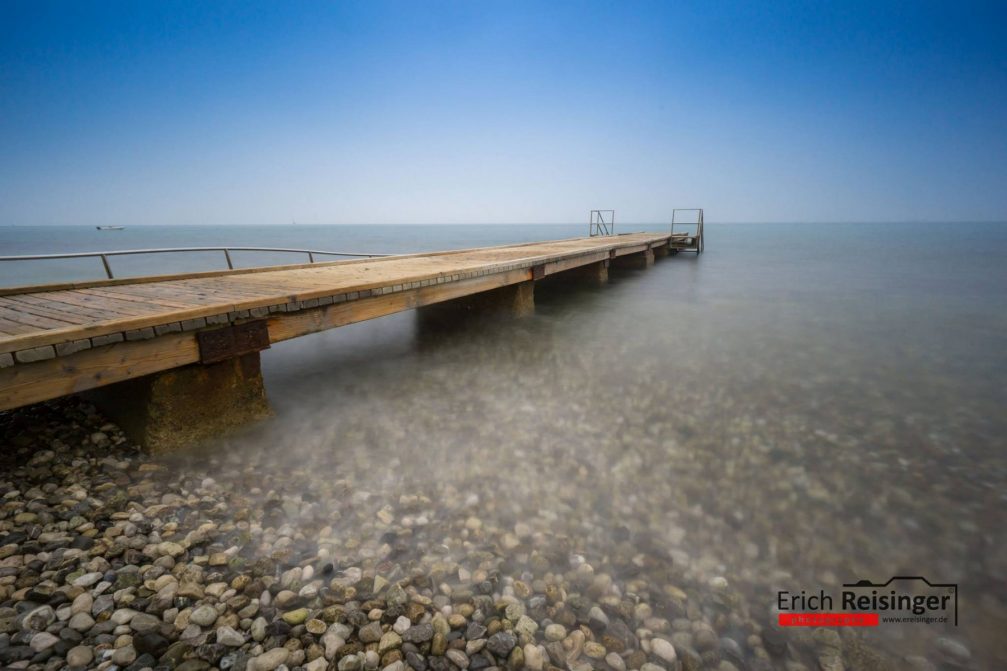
<point x="597" y="224"/>
<point x="698" y="237"/>
<point x="227" y="254"/>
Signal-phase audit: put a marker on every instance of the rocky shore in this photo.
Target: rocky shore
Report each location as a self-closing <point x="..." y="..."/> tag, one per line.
<point x="111" y="559"/>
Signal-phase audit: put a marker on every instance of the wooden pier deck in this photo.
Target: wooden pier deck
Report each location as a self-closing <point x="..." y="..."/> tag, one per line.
<point x="57" y="340"/>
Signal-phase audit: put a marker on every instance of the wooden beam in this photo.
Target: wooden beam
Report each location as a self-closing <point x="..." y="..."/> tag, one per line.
<point x="284" y="327"/>
<point x="43" y="380"/>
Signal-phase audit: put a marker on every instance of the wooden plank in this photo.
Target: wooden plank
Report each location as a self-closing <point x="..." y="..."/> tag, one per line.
<point x="135" y="293"/>
<point x="55" y="336"/>
<point x="42" y="301"/>
<point x="44" y="311"/>
<point x="101" y="305"/>
<point x="28" y="320"/>
<point x="174" y="291"/>
<point x="16" y="328"/>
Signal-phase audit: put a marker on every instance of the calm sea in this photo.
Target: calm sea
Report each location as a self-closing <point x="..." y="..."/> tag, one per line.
<point x="801" y="406"/>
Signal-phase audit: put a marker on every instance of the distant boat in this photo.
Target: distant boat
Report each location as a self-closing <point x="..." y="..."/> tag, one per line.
<point x="110" y="228"/>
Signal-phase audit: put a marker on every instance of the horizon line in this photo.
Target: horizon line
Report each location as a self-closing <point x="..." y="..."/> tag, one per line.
<point x="542" y="223"/>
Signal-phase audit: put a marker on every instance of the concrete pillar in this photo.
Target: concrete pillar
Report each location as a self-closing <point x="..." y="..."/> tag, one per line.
<point x="515" y="300"/>
<point x="661" y="250"/>
<point x="639" y="260"/>
<point x="179" y="408"/>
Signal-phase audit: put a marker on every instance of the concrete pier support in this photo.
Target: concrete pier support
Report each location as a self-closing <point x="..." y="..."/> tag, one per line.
<point x="637" y="261"/>
<point x="516" y="300"/>
<point x="182" y="407"/>
<point x="661" y="250"/>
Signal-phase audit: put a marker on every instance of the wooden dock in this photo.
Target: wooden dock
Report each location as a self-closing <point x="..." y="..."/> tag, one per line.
<point x="57" y="340"/>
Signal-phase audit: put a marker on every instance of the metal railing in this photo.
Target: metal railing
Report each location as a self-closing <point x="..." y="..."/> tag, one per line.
<point x="104" y="256"/>
<point x="697" y="238"/>
<point x="598" y="225"/>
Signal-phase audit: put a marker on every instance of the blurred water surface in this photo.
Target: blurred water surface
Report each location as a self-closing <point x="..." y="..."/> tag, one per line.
<point x="801" y="406"/>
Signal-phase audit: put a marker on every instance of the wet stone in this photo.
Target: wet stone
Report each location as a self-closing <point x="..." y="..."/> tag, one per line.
<point x="501" y="643"/>
<point x="370" y="633"/>
<point x="416" y="661"/>
<point x="203" y="616"/>
<point x="458" y="658"/>
<point x="79" y="656"/>
<point x="419" y="633"/>
<point x="150" y="642"/>
<point x="270" y="660"/>
<point x="664" y="650"/>
<point x="43" y="641"/>
<point x="140" y="622"/>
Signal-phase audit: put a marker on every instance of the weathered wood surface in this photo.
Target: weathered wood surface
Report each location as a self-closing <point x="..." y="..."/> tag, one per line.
<point x="63" y="339"/>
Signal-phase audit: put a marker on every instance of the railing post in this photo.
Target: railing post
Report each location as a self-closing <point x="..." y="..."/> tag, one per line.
<point x="108" y="268"/>
<point x="311" y="257"/>
<point x="227" y="255"/>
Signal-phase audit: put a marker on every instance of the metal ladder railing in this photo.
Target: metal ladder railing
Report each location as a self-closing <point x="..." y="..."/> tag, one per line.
<point x="688" y="241"/>
<point x="104" y="256"/>
<point x="598" y="225"/>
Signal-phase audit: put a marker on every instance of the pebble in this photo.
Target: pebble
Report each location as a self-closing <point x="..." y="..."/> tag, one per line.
<point x="348" y="663"/>
<point x="953" y="649"/>
<point x="124" y="656"/>
<point x="555" y="632"/>
<point x="268" y="661"/>
<point x="527" y="626"/>
<point x="615" y="661"/>
<point x="81" y="622"/>
<point x="318" y="664"/>
<point x="204" y="616"/>
<point x="258" y="628"/>
<point x="597" y="619"/>
<point x="419" y="633"/>
<point x="501" y="643"/>
<point x="87" y="580"/>
<point x="458" y="658"/>
<point x="296" y="617"/>
<point x="664" y="650"/>
<point x="370" y="633"/>
<point x="43" y="640"/>
<point x="230" y="637"/>
<point x="79" y="656"/>
<point x="82" y="603"/>
<point x="39" y="618"/>
<point x="533" y="657"/>
<point x="389" y="641"/>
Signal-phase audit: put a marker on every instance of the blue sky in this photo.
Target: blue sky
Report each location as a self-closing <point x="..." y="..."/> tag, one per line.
<point x="481" y="111"/>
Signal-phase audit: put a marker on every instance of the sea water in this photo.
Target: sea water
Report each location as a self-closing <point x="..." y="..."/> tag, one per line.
<point x="799" y="407"/>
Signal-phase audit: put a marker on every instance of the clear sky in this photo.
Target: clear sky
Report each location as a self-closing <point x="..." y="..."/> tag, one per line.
<point x="484" y="111"/>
